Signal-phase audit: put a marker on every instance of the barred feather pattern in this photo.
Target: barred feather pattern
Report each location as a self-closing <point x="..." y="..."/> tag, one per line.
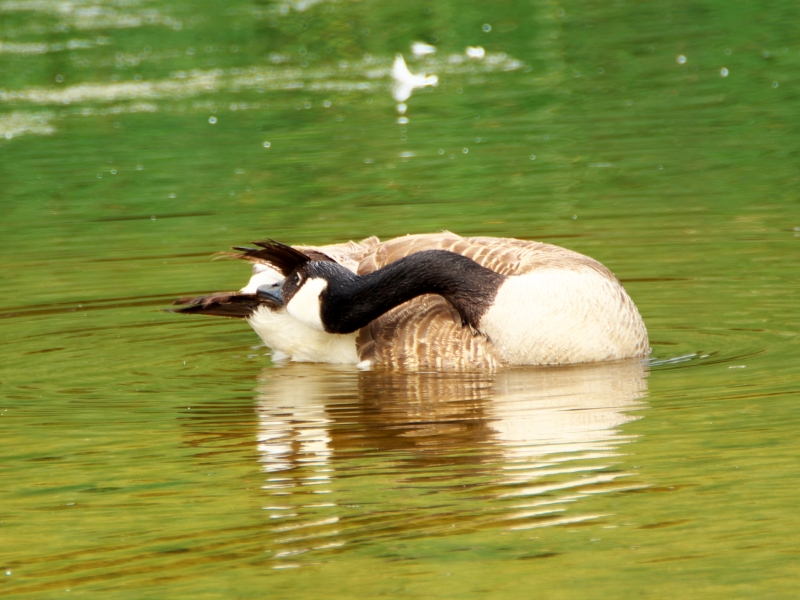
<point x="425" y="333"/>
<point x="506" y="256"/>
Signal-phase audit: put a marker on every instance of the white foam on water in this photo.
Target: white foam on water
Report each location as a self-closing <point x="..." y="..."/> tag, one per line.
<point x="20" y="123"/>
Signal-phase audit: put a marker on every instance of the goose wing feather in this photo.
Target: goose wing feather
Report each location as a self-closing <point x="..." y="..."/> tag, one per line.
<point x="425" y="333"/>
<point x="221" y="304"/>
<point x="506" y="256"/>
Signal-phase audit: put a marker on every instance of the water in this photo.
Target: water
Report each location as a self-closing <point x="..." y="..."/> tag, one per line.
<point x="152" y="455"/>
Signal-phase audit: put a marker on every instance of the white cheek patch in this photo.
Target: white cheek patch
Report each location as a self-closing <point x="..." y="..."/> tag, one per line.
<point x="305" y="304"/>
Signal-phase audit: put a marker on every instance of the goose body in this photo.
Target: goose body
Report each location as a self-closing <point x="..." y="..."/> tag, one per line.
<point x="434" y="301"/>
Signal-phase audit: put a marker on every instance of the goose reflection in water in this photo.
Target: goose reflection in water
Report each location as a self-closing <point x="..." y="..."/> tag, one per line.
<point x="352" y="455"/>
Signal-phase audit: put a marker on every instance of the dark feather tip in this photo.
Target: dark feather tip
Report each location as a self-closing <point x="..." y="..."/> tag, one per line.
<point x="223" y="304"/>
<point x="280" y="256"/>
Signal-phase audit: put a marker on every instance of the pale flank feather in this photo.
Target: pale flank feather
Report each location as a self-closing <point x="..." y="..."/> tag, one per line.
<point x="558" y="316"/>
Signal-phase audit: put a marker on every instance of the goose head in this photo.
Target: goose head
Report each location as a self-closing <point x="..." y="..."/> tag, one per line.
<point x="327" y="297"/>
<point x="309" y="294"/>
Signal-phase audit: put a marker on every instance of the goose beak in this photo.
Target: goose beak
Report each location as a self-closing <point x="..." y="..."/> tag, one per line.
<point x="273" y="292"/>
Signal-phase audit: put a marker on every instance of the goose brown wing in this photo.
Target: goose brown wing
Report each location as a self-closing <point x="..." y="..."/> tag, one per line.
<point x="506" y="256"/>
<point x="425" y="333"/>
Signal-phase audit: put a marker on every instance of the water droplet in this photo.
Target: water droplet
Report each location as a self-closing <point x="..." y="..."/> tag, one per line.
<point x="533" y="157"/>
<point x="212" y="120"/>
<point x="478" y="140"/>
<point x="99" y="175"/>
<point x="306" y="105"/>
<point x="153" y="218"/>
<point x="723" y="72"/>
<point x="441" y="151"/>
<point x="113" y="171"/>
<point x="327" y="104"/>
<point x="681" y="59"/>
<point x="601" y="70"/>
<point x="59" y="78"/>
<point x="574" y="216"/>
<point x="728" y="51"/>
<point x="487" y="28"/>
<point x="660" y="167"/>
<point x="774" y="84"/>
<point x="172" y="195"/>
<point x="267" y="144"/>
<point x="402" y="120"/>
<point x="465" y="150"/>
<point x="139" y="167"/>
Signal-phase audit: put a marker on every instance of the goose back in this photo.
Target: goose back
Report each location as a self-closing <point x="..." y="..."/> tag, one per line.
<point x="507" y="256"/>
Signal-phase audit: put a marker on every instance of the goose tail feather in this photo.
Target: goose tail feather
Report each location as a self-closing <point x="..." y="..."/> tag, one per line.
<point x="223" y="304"/>
<point x="281" y="257"/>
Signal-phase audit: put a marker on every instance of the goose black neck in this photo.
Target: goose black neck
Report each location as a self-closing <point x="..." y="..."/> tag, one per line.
<point x="351" y="303"/>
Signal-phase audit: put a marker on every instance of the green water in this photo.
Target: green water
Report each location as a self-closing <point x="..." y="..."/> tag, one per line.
<point x="153" y="455"/>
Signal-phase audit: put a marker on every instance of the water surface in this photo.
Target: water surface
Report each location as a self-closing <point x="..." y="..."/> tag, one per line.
<point x="152" y="455"/>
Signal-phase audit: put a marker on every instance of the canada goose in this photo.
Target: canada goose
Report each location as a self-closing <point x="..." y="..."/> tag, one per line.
<point x="433" y="301"/>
